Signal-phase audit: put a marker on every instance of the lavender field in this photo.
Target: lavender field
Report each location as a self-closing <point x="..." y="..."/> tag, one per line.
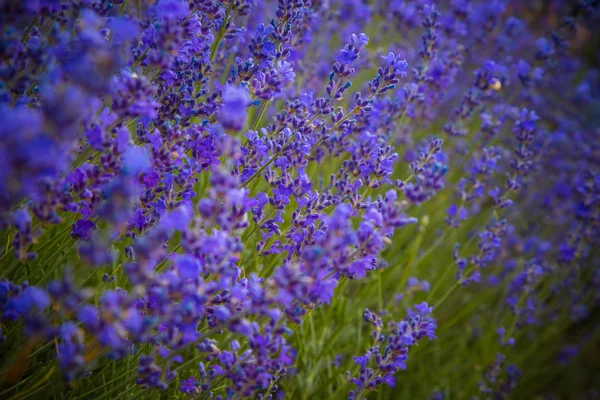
<point x="299" y="199"/>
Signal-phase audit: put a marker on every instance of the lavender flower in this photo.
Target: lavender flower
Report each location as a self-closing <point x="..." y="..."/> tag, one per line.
<point x="190" y="189"/>
<point x="233" y="112"/>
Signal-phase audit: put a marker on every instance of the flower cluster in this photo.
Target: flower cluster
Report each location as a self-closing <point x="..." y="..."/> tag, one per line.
<point x="402" y="335"/>
<point x="186" y="182"/>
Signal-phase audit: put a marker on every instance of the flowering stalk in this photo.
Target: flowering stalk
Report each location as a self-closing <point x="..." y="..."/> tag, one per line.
<point x="191" y="194"/>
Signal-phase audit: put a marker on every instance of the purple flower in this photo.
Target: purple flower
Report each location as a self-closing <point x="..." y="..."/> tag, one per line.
<point x="189" y="385"/>
<point x="31" y="297"/>
<point x="232" y="113"/>
<point x="171" y="9"/>
<point x="401" y="337"/>
<point x="456" y="215"/>
<point x="90" y="317"/>
<point x="21" y="219"/>
<point x="351" y="51"/>
<point x="122" y="30"/>
<point x="83" y="229"/>
<point x="188" y="267"/>
<point x="124" y="125"/>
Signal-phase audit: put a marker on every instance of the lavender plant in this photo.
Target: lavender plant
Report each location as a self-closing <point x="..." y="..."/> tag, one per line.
<point x="298" y="198"/>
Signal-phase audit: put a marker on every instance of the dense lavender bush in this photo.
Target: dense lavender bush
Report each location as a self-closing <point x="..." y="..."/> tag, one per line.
<point x="299" y="198"/>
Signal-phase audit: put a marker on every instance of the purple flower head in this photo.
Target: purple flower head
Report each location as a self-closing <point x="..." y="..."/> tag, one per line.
<point x="90" y="317"/>
<point x="188" y="267"/>
<point x="122" y="30"/>
<point x="176" y="220"/>
<point x="171" y="9"/>
<point x="456" y="215"/>
<point x="189" y="386"/>
<point x="135" y="160"/>
<point x="350" y="52"/>
<point x="423" y="309"/>
<point x="83" y="229"/>
<point x="395" y="63"/>
<point x="544" y="49"/>
<point x="31" y="297"/>
<point x="21" y="219"/>
<point x="232" y="113"/>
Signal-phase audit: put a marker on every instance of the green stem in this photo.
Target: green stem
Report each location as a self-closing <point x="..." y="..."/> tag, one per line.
<point x="260" y="115"/>
<point x="215" y="45"/>
<point x="28" y="30"/>
<point x="32" y="388"/>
